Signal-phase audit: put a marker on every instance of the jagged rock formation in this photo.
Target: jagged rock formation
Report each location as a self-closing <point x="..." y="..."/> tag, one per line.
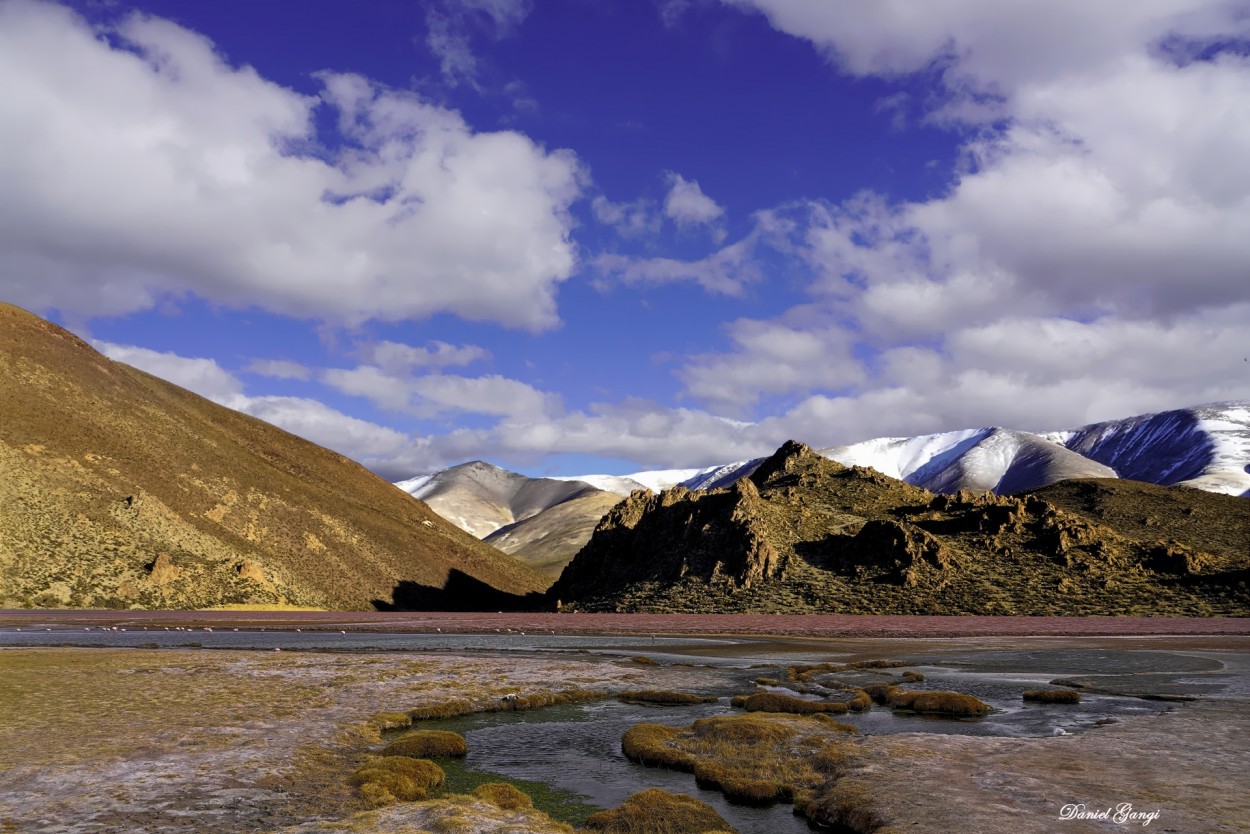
<point x="118" y="489"/>
<point x="805" y="533"/>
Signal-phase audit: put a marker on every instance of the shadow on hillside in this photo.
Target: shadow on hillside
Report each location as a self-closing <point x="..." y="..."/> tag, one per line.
<point x="461" y="592"/>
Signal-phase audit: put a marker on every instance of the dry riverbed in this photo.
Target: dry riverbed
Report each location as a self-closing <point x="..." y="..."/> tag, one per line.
<point x="155" y="740"/>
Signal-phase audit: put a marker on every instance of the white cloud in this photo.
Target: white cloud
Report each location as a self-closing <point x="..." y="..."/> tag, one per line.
<point x="432" y="395"/>
<point x="1088" y="261"/>
<point x="727" y="271"/>
<point x="203" y="376"/>
<point x="687" y="205"/>
<point x="378" y="447"/>
<point x="395" y="356"/>
<point x="279" y="369"/>
<point x="630" y="219"/>
<point x="803" y="352"/>
<point x="142" y="165"/>
<point x="451" y="25"/>
<point x="994" y="47"/>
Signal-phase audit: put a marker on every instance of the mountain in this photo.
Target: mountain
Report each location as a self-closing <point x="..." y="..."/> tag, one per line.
<point x="540" y="521"/>
<point x="994" y="459"/>
<point x="805" y="533"/>
<point x="118" y="489"/>
<point x="1207" y="447"/>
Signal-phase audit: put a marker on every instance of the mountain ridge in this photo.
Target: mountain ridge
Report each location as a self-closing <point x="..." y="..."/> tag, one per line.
<point x="118" y="489"/>
<point x="1205" y="446"/>
<point x="804" y="533"/>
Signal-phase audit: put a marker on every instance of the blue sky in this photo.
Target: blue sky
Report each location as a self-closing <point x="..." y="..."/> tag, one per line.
<point x="574" y="236"/>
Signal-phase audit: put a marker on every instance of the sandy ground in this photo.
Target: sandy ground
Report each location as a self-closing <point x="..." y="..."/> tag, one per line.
<point x="135" y="740"/>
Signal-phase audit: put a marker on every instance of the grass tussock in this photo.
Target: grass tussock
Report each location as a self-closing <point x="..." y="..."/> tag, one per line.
<point x="385" y="721"/>
<point x="424" y="744"/>
<point x="779" y="702"/>
<point x="913" y="677"/>
<point x="754" y="759"/>
<point x="387" y="779"/>
<point x="715" y="776"/>
<point x="654" y="811"/>
<point x="954" y="704"/>
<point x="1053" y="696"/>
<point x="505" y="796"/>
<point x="844" y="806"/>
<point x="666" y="696"/>
<point x="643" y="660"/>
<point x="652" y="744"/>
<point x="880" y="693"/>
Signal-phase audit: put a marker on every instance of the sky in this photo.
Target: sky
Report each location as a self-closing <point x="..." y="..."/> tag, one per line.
<point x="602" y="236"/>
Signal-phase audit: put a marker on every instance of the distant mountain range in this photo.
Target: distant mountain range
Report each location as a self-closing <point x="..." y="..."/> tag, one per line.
<point x="119" y="490"/>
<point x="545" y="521"/>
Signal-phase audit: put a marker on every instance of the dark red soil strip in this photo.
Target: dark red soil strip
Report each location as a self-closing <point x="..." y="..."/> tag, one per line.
<point x="794" y="625"/>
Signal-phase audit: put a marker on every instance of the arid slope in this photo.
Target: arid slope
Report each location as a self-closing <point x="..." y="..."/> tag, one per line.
<point x="118" y="489"/>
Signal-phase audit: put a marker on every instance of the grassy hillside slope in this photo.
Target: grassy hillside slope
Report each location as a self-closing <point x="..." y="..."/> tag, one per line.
<point x="118" y="489"/>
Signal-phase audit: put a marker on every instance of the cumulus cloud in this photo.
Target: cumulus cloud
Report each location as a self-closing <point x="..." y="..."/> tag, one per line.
<point x="1088" y="259"/>
<point x="379" y="447"/>
<point x="201" y="375"/>
<point x="436" y="394"/>
<point x="687" y="205"/>
<point x="995" y="47"/>
<point x="629" y="219"/>
<point x="139" y="164"/>
<point x="803" y="352"/>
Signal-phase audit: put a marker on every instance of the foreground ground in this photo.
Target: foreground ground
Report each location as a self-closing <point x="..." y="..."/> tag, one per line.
<point x="148" y="740"/>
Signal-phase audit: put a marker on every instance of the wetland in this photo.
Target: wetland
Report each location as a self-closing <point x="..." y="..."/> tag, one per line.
<point x="261" y="730"/>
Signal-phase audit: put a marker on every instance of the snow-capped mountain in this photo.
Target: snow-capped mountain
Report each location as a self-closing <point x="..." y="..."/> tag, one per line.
<point x="994" y="459"/>
<point x="1207" y="447"/>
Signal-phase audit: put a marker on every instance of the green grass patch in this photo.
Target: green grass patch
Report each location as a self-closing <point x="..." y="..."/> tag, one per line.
<point x="504" y="795"/>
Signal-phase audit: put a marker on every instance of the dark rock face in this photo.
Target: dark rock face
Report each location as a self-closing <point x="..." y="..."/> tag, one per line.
<point x="684" y="534"/>
<point x="804" y="533"/>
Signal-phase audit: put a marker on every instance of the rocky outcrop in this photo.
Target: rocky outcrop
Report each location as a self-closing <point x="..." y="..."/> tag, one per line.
<point x="804" y="533"/>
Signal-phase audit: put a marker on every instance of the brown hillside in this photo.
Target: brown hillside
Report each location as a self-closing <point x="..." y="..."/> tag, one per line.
<point x="120" y="489"/>
<point x="806" y="534"/>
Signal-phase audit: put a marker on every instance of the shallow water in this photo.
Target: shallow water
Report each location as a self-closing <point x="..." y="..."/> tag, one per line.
<point x="577" y="749"/>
